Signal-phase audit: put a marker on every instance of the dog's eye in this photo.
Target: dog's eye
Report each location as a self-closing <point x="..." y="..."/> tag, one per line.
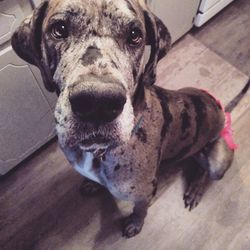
<point x="135" y="37"/>
<point x="59" y="30"/>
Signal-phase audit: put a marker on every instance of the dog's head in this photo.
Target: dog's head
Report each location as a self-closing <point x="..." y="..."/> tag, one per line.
<point x="91" y="53"/>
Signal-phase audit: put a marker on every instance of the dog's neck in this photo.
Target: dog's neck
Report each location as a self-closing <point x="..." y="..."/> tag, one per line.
<point x="138" y="125"/>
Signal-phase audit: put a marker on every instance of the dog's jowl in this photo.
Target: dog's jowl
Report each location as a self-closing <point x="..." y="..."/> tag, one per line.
<point x="114" y="126"/>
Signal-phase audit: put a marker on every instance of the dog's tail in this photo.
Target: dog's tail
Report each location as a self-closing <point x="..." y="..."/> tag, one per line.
<point x="232" y="104"/>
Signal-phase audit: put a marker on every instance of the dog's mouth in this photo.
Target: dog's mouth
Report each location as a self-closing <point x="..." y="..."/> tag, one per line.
<point x="94" y="141"/>
<point x="73" y="132"/>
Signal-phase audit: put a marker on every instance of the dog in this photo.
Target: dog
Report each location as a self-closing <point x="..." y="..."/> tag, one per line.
<point x="114" y="126"/>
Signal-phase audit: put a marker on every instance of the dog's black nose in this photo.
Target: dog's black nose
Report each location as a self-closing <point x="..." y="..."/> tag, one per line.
<point x="97" y="105"/>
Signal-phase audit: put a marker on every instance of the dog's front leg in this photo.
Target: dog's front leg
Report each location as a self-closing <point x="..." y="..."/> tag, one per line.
<point x="89" y="187"/>
<point x="134" y="222"/>
<point x="129" y="173"/>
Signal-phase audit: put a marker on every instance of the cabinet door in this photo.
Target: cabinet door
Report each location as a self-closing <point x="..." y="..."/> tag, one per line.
<point x="178" y="15"/>
<point x="27" y="120"/>
<point x="51" y="97"/>
<point x="11" y="16"/>
<point x="207" y="4"/>
<point x="36" y="2"/>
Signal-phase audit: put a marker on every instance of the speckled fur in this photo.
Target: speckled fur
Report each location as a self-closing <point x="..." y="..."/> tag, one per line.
<point x="155" y="124"/>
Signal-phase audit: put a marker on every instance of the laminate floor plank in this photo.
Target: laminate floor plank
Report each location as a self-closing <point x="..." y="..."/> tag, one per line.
<point x="228" y="34"/>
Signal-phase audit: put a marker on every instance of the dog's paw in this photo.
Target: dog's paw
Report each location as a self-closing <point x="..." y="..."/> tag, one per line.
<point x="132" y="226"/>
<point x="89" y="187"/>
<point x="196" y="182"/>
<point x="195" y="190"/>
<point x="192" y="195"/>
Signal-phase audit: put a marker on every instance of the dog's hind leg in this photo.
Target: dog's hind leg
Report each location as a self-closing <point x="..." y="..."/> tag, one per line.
<point x="209" y="164"/>
<point x="196" y="181"/>
<point x="216" y="158"/>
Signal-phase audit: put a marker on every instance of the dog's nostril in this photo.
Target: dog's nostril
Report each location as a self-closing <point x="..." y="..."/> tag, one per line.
<point x="81" y="104"/>
<point x="115" y="103"/>
<point x="115" y="111"/>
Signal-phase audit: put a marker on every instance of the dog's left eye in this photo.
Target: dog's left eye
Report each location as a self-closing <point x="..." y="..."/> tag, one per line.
<point x="135" y="37"/>
<point x="59" y="30"/>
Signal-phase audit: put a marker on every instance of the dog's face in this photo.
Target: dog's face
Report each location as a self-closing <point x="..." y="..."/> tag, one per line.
<point x="91" y="53"/>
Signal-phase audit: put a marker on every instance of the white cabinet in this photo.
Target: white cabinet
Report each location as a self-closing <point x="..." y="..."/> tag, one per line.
<point x="10" y="17"/>
<point x="26" y="120"/>
<point x="178" y="15"/>
<point x="209" y="8"/>
<point x="36" y="2"/>
<point x="26" y="108"/>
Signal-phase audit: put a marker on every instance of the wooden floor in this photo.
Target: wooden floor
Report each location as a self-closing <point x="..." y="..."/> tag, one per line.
<point x="228" y="34"/>
<point x="41" y="206"/>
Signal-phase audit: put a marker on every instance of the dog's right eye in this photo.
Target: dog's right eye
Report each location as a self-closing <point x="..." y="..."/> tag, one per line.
<point x="59" y="30"/>
<point x="135" y="37"/>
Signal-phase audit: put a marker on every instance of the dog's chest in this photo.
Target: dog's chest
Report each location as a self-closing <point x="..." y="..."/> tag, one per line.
<point x="118" y="179"/>
<point x="86" y="167"/>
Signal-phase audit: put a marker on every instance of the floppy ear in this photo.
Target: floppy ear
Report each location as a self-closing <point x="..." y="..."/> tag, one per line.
<point x="159" y="39"/>
<point x="26" y="42"/>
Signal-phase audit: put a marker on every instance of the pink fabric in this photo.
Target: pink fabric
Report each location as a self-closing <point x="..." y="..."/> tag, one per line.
<point x="227" y="131"/>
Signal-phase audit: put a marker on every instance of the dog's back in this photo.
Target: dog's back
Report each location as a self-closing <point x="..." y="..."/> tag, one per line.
<point x="192" y="119"/>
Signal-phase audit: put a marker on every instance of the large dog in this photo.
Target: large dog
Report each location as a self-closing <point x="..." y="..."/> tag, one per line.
<point x="113" y="124"/>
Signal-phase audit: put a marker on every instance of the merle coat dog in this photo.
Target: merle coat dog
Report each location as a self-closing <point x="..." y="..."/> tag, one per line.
<point x="114" y="126"/>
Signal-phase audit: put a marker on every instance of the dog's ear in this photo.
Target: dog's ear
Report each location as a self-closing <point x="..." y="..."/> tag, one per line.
<point x="158" y="37"/>
<point x="26" y="42"/>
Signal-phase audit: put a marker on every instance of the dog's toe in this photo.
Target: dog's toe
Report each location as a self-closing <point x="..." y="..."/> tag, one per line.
<point x="89" y="187"/>
<point x="195" y="190"/>
<point x="196" y="182"/>
<point x="192" y="196"/>
<point x="132" y="226"/>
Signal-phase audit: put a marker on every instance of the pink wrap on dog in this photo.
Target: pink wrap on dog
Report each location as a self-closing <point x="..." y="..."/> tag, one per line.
<point x="227" y="131"/>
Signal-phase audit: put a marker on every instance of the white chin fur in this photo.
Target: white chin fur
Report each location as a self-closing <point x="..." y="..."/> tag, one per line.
<point x="125" y="121"/>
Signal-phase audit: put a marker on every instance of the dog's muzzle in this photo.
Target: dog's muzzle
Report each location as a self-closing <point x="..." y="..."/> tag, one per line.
<point x="97" y="102"/>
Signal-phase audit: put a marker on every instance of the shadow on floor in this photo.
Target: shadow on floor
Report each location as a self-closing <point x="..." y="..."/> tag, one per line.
<point x="58" y="214"/>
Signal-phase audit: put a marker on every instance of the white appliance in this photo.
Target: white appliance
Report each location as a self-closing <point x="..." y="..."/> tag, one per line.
<point x="26" y="108"/>
<point x="178" y="15"/>
<point x="209" y="8"/>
